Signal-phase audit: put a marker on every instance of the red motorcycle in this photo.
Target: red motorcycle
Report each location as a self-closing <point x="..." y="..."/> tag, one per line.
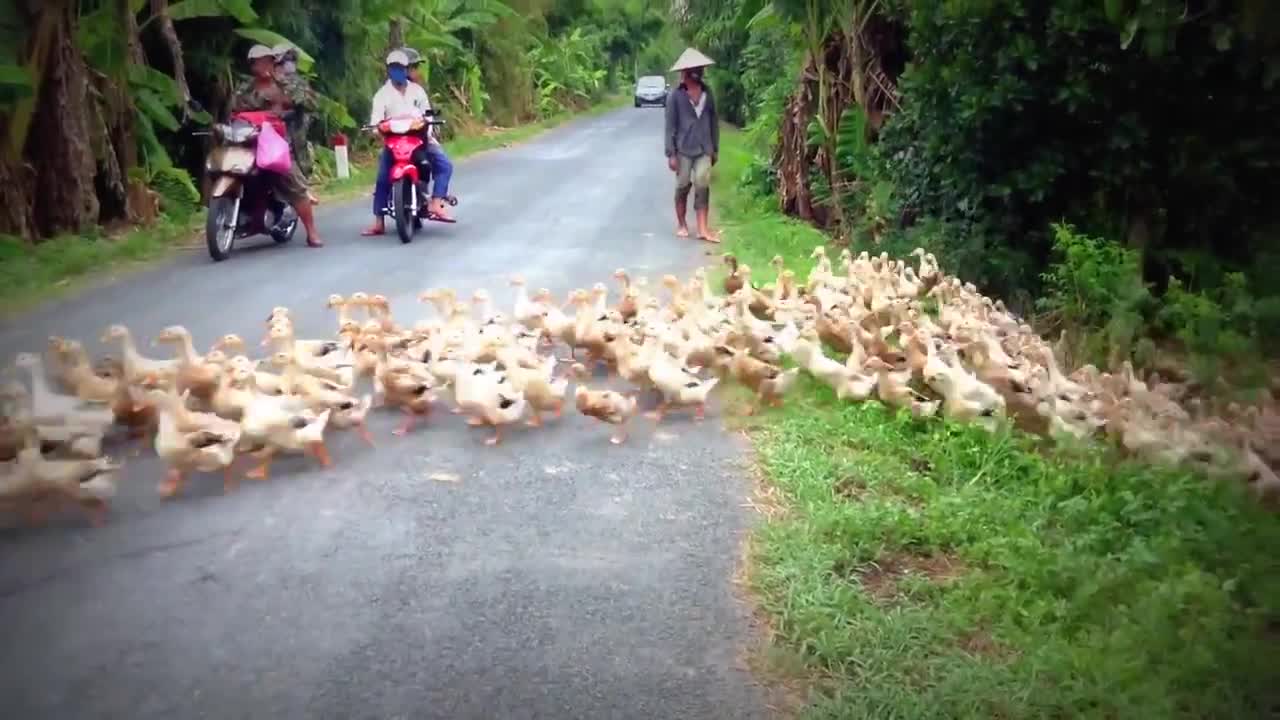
<point x="406" y="139"/>
<point x="242" y="200"/>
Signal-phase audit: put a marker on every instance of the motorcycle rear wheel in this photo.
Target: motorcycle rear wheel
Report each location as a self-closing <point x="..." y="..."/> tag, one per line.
<point x="401" y="202"/>
<point x="220" y="227"/>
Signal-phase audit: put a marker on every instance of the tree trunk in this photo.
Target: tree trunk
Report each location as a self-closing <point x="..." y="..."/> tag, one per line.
<point x="58" y="144"/>
<point x="16" y="216"/>
<point x="395" y="34"/>
<point x="160" y="10"/>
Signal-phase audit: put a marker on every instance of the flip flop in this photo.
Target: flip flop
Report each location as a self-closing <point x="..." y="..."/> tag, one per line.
<point x="440" y="218"/>
<point x="370" y="232"/>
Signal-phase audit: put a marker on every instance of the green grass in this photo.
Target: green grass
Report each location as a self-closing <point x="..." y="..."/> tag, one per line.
<point x="927" y="570"/>
<point x="29" y="275"/>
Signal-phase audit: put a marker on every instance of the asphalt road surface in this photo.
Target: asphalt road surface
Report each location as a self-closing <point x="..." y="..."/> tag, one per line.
<point x="555" y="577"/>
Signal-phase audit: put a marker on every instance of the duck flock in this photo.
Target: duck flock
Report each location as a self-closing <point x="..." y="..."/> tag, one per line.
<point x="911" y="337"/>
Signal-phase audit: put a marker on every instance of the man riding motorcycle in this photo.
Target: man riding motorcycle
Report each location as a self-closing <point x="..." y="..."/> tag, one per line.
<point x="441" y="166"/>
<point x="263" y="92"/>
<point x="398" y="98"/>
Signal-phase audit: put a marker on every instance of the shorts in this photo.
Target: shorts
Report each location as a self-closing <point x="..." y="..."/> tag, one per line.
<point x="694" y="171"/>
<point x="292" y="187"/>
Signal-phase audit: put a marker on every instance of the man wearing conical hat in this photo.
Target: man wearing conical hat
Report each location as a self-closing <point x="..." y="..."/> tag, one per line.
<point x="692" y="142"/>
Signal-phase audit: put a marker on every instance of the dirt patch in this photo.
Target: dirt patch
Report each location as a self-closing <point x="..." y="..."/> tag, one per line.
<point x="850" y="487"/>
<point x="921" y="465"/>
<point x="978" y="642"/>
<point x="881" y="579"/>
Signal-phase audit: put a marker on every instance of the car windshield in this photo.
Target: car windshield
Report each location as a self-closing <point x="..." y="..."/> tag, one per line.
<point x="652" y="82"/>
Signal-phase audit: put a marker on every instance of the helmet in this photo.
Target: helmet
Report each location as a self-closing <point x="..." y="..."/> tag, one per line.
<point x="414" y="56"/>
<point x="260" y="51"/>
<point x="397" y="57"/>
<point x="285" y="51"/>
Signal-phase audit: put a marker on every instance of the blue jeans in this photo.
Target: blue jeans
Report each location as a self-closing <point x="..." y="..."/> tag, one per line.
<point x="441" y="172"/>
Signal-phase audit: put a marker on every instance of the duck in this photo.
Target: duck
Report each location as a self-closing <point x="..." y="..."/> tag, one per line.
<point x="348" y="411"/>
<point x="542" y="391"/>
<point x="274" y="424"/>
<point x="37" y="483"/>
<point x="405" y="384"/>
<point x="138" y="369"/>
<point x="678" y="386"/>
<point x="607" y="406"/>
<point x="893" y="389"/>
<point x="733" y="282"/>
<point x="194" y="373"/>
<point x="77" y="374"/>
<point x="191" y="441"/>
<point x="527" y="312"/>
<point x="769" y="382"/>
<point x="52" y="408"/>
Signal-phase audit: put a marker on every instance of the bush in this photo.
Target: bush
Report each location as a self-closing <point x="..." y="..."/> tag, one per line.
<point x="1219" y="330"/>
<point x="179" y="196"/>
<point x="1018" y="113"/>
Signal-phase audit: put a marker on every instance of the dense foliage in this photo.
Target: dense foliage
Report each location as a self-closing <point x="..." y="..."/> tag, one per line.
<point x="977" y="127"/>
<point x="124" y="70"/>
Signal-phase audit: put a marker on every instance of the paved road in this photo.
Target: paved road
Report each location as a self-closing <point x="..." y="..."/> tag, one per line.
<point x="560" y="577"/>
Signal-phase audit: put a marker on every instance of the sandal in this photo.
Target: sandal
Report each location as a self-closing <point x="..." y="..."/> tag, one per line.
<point x="440" y="218"/>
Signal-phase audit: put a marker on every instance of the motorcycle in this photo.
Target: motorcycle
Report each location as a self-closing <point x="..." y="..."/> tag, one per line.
<point x="404" y="137"/>
<point x="242" y="201"/>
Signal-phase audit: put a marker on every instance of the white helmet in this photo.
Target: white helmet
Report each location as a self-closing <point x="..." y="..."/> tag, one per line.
<point x="397" y="57"/>
<point x="260" y="51"/>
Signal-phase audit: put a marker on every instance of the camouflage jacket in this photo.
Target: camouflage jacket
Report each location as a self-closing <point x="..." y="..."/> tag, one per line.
<point x="297" y="95"/>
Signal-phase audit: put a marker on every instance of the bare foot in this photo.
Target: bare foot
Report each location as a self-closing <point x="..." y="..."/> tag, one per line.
<point x="710" y="236"/>
<point x="682" y="232"/>
<point x="259" y="473"/>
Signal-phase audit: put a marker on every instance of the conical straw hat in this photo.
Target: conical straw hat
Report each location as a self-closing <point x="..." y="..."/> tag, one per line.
<point x="691" y="58"/>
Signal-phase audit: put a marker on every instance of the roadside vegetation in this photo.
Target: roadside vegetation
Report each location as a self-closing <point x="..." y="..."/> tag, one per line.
<point x="118" y="159"/>
<point x="927" y="570"/>
<point x="1053" y="155"/>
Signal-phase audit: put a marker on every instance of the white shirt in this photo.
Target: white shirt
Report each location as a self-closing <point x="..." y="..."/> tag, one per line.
<point x="390" y="102"/>
<point x="702" y="102"/>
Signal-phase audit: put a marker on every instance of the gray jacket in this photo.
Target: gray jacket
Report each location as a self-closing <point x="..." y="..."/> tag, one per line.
<point x="687" y="133"/>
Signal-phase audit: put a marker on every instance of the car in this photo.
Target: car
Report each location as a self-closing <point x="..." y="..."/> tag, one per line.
<point x="651" y="90"/>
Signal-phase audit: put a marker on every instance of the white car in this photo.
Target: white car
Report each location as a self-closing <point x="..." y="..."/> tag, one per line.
<point x="651" y="90"/>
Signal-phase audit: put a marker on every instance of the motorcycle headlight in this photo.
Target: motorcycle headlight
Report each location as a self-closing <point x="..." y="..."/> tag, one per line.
<point x="241" y="134"/>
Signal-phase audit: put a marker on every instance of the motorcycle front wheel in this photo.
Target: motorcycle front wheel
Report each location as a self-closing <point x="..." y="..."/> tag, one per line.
<point x="402" y="208"/>
<point x="220" y="226"/>
<point x="284" y="228"/>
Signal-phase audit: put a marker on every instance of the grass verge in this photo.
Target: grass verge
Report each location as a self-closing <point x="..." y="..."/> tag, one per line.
<point x="33" y="274"/>
<point x="927" y="570"/>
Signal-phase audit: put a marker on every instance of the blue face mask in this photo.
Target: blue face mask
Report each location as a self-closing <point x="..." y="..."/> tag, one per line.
<point x="398" y="74"/>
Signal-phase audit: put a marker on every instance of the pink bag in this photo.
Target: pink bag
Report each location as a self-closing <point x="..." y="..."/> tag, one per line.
<point x="273" y="151"/>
